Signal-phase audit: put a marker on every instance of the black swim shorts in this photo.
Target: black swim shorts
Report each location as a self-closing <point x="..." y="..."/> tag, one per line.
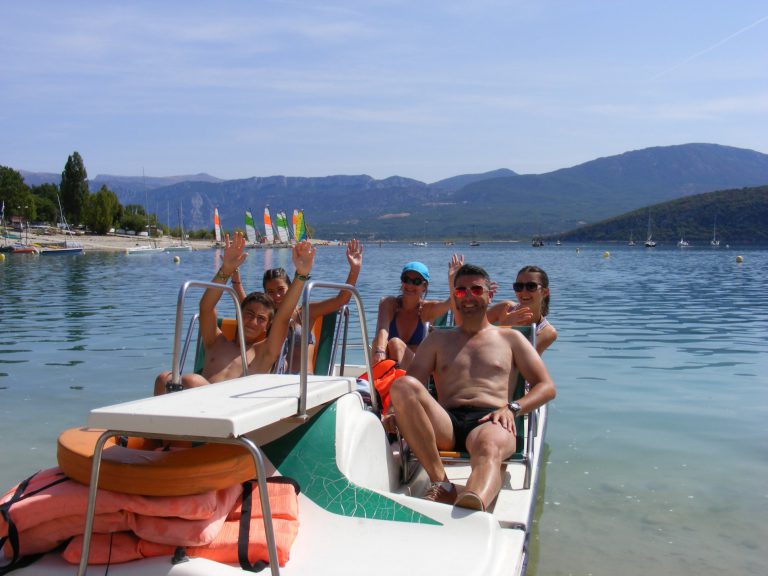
<point x="464" y="420"/>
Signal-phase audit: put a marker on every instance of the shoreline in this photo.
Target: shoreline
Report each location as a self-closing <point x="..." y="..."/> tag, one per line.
<point x="115" y="243"/>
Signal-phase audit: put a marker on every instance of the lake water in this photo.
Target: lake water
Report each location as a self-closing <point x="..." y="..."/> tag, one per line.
<point x="657" y="447"/>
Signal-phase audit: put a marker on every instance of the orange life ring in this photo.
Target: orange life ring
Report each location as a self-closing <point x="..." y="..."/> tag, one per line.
<point x="140" y="469"/>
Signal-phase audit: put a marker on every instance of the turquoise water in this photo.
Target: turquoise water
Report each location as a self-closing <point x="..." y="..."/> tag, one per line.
<point x="657" y="447"/>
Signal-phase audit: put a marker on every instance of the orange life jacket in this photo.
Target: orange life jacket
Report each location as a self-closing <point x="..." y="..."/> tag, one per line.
<point x="47" y="509"/>
<point x="384" y="373"/>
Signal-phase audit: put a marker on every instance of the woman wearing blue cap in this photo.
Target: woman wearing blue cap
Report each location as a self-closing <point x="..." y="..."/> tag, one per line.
<point x="402" y="323"/>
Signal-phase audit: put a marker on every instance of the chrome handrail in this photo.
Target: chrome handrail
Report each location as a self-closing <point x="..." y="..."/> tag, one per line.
<point x="308" y="287"/>
<point x="176" y="369"/>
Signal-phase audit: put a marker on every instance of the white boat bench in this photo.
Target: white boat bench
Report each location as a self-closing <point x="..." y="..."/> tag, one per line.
<point x="224" y="413"/>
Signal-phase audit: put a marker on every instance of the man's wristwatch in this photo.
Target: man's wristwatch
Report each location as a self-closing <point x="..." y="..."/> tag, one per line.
<point x="514" y="407"/>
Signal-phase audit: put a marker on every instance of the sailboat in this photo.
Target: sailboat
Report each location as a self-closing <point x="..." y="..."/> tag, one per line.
<point x="282" y="228"/>
<point x="631" y="240"/>
<point x="683" y="243"/>
<point x="217" y="225"/>
<point x="152" y="247"/>
<point x="715" y="243"/>
<point x="268" y="230"/>
<point x="300" y="231"/>
<point x="250" y="230"/>
<point x="69" y="247"/>
<point x="649" y="243"/>
<point x="181" y="246"/>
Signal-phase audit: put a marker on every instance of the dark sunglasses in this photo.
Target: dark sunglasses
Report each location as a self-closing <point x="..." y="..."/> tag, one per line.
<point x="529" y="286"/>
<point x="461" y="292"/>
<point x="417" y="281"/>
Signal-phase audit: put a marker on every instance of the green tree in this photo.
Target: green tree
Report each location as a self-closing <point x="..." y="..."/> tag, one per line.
<point x="46" y="201"/>
<point x="74" y="188"/>
<point x="15" y="195"/>
<point x="102" y="211"/>
<point x="134" y="218"/>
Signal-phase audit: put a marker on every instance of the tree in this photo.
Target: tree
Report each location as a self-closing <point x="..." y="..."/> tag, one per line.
<point x="15" y="195"/>
<point x="134" y="218"/>
<point x="74" y="188"/>
<point x="102" y="211"/>
<point x="46" y="201"/>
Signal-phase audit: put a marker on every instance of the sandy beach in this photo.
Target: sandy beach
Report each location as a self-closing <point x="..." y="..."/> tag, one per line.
<point x="118" y="243"/>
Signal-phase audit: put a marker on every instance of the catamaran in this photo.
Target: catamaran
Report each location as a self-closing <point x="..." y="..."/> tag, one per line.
<point x="269" y="232"/>
<point x="250" y="230"/>
<point x="217" y="225"/>
<point x="282" y="228"/>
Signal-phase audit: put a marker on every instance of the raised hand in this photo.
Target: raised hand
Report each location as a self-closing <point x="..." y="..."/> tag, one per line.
<point x="457" y="261"/>
<point x="234" y="253"/>
<point x="303" y="257"/>
<point x="516" y="316"/>
<point x="355" y="254"/>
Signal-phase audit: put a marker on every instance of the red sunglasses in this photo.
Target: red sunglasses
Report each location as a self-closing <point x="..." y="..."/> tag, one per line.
<point x="461" y="292"/>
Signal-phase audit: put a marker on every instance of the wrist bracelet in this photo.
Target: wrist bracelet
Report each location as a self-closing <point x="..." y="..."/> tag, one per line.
<point x="221" y="276"/>
<point x="379" y="351"/>
<point x="302" y="277"/>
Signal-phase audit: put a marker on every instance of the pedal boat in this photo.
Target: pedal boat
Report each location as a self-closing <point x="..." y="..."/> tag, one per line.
<point x="358" y="511"/>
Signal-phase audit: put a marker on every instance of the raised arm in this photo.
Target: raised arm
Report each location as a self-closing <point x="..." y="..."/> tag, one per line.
<point x="355" y="260"/>
<point x="303" y="259"/>
<point x="237" y="284"/>
<point x="234" y="256"/>
<point x="434" y="309"/>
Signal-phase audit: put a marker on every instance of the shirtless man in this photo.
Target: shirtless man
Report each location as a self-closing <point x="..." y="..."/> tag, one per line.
<point x="263" y="345"/>
<point x="475" y="368"/>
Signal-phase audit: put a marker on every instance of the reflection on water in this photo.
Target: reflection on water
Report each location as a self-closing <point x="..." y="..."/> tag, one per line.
<point x="657" y="448"/>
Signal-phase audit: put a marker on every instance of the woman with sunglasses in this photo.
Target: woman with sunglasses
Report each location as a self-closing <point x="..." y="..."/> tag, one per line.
<point x="532" y="290"/>
<point x="402" y="322"/>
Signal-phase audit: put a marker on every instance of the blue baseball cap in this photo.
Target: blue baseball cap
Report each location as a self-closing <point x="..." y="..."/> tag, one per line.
<point x="417" y="267"/>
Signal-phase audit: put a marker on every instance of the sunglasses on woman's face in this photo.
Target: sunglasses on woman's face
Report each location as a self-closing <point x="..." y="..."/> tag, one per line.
<point x="529" y="286"/>
<point x="461" y="291"/>
<point x="413" y="280"/>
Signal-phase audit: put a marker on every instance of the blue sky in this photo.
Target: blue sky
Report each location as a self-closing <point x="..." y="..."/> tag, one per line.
<point x="422" y="89"/>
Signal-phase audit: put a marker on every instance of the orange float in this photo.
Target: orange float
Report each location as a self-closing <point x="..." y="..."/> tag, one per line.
<point x="143" y="467"/>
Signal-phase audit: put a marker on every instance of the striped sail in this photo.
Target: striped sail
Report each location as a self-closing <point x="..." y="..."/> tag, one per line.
<point x="295" y="223"/>
<point x="250" y="229"/>
<point x="282" y="227"/>
<point x="268" y="227"/>
<point x="216" y="224"/>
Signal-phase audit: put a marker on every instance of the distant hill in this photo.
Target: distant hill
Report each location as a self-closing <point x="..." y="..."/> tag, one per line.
<point x="741" y="217"/>
<point x="495" y="205"/>
<point x="457" y="182"/>
<point x="117" y="183"/>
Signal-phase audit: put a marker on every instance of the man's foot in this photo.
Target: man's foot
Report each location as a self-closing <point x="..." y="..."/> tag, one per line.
<point x="470" y="500"/>
<point x="443" y="492"/>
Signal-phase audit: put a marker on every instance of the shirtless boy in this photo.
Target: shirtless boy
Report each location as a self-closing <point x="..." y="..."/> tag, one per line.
<point x="475" y="369"/>
<point x="263" y="345"/>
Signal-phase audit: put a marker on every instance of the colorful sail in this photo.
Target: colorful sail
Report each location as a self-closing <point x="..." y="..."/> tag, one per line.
<point x="295" y="226"/>
<point x="268" y="227"/>
<point x="250" y="229"/>
<point x="282" y="227"/>
<point x="301" y="230"/>
<point x="216" y="224"/>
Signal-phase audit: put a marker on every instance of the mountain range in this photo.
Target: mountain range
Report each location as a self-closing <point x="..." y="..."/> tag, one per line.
<point x="495" y="205"/>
